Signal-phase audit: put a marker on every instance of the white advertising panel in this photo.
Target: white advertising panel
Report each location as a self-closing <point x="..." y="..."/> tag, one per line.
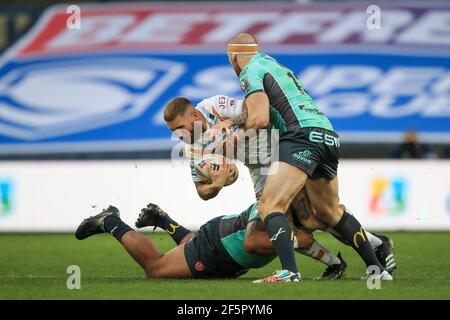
<point x="56" y="196"/>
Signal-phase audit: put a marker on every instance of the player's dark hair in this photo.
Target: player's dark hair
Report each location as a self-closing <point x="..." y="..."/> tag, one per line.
<point x="175" y="107"/>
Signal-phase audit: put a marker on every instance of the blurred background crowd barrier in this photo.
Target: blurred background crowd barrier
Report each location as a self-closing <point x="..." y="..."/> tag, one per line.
<point x="94" y="89"/>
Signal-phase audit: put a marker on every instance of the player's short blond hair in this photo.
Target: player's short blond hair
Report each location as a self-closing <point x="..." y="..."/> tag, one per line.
<point x="176" y="107"/>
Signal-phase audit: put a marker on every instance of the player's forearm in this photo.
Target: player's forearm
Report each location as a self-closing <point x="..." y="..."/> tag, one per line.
<point x="256" y="122"/>
<point x="257" y="106"/>
<point x="239" y="119"/>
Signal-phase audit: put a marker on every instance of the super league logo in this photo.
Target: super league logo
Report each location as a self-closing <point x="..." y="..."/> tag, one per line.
<point x="86" y="93"/>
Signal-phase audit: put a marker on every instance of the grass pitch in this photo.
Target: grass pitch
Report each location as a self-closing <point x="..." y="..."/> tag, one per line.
<point x="33" y="266"/>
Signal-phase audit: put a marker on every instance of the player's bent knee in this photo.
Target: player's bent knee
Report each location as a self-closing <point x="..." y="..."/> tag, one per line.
<point x="267" y="206"/>
<point x="329" y="215"/>
<point x="153" y="269"/>
<point x="314" y="224"/>
<point x="155" y="273"/>
<point x="150" y="273"/>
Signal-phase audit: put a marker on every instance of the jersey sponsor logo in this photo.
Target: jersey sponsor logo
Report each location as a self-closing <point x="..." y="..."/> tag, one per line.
<point x="328" y="139"/>
<point x="244" y="85"/>
<point x="311" y="110"/>
<point x="303" y="156"/>
<point x="199" y="266"/>
<point x="222" y="102"/>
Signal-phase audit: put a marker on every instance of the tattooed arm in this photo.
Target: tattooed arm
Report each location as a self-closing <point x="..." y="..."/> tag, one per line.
<point x="241" y="118"/>
<point x="226" y="124"/>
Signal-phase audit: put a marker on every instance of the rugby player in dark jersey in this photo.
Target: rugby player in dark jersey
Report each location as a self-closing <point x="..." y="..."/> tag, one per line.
<point x="217" y="250"/>
<point x="224" y="247"/>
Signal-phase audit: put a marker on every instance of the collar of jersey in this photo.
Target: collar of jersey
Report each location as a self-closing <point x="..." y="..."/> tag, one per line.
<point x="253" y="59"/>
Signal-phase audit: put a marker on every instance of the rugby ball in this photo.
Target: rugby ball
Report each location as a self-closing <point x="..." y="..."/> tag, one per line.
<point x="214" y="160"/>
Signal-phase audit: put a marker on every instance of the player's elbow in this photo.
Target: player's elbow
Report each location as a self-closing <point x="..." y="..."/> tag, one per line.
<point x="204" y="196"/>
<point x="257" y="123"/>
<point x="262" y="123"/>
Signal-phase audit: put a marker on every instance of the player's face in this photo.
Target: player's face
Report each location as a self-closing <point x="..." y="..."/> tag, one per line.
<point x="184" y="126"/>
<point x="232" y="58"/>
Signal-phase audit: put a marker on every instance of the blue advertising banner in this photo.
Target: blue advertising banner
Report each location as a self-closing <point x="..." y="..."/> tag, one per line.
<point x="101" y="85"/>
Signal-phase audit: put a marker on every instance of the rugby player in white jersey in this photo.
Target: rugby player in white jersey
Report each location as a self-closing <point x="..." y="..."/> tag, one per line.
<point x="181" y="116"/>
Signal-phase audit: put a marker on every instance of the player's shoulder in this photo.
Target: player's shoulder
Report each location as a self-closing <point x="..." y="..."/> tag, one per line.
<point x="257" y="66"/>
<point x="213" y="101"/>
<point x="206" y="103"/>
<point x="218" y="104"/>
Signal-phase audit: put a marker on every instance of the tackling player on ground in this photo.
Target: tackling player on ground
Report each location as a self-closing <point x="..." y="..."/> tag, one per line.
<point x="217" y="250"/>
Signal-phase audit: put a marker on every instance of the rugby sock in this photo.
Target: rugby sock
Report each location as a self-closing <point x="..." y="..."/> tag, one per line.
<point x="373" y="239"/>
<point x="336" y="234"/>
<point x="375" y="242"/>
<point x="116" y="227"/>
<point x="321" y="254"/>
<point x="282" y="237"/>
<point x="174" y="229"/>
<point x="352" y="231"/>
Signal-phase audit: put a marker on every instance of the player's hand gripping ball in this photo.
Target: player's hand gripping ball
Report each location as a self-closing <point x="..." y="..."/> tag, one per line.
<point x="215" y="162"/>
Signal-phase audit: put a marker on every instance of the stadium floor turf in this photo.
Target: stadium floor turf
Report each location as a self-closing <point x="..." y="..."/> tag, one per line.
<point x="33" y="266"/>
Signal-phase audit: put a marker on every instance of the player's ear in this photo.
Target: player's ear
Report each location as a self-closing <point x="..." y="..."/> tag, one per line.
<point x="232" y="58"/>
